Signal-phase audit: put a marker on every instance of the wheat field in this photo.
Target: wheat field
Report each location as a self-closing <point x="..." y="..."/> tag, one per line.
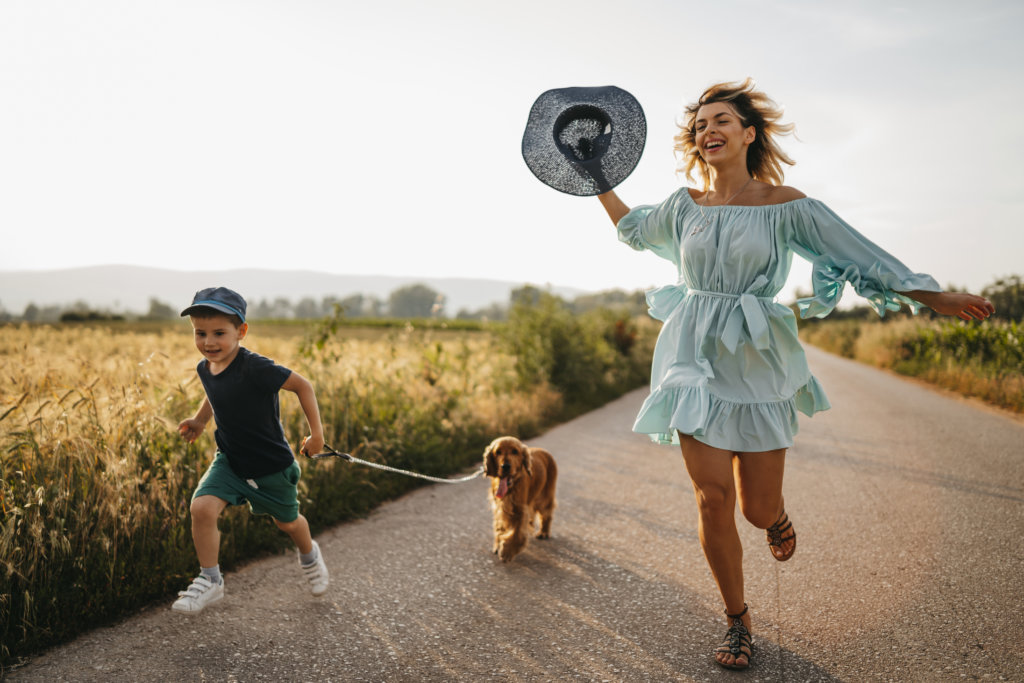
<point x="96" y="481"/>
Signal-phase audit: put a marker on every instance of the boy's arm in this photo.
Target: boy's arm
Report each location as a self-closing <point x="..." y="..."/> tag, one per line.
<point x="301" y="387"/>
<point x="194" y="426"/>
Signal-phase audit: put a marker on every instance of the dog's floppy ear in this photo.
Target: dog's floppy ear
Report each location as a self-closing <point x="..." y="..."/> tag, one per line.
<point x="527" y="460"/>
<point x="490" y="463"/>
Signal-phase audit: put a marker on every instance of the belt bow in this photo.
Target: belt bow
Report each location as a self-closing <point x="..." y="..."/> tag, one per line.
<point x="748" y="310"/>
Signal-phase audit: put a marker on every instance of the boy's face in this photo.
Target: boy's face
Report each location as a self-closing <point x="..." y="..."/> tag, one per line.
<point x="218" y="339"/>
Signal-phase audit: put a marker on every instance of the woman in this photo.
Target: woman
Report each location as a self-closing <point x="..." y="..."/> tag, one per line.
<point x="728" y="373"/>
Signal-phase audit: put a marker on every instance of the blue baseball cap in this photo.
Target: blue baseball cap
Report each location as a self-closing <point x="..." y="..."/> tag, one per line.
<point x="219" y="299"/>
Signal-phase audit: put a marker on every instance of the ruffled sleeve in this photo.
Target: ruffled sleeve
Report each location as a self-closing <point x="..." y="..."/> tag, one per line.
<point x="839" y="254"/>
<point x="654" y="227"/>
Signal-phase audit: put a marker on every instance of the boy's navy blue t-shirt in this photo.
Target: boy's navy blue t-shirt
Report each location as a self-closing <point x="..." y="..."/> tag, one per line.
<point x="248" y="413"/>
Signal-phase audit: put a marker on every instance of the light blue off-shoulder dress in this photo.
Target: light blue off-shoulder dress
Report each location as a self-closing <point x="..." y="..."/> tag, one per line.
<point x="728" y="367"/>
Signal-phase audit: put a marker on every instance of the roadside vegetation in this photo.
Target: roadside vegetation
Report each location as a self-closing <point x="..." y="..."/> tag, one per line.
<point x="984" y="360"/>
<point x="95" y="481"/>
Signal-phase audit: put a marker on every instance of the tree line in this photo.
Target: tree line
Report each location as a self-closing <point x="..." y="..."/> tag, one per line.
<point x="411" y="301"/>
<point x="421" y="301"/>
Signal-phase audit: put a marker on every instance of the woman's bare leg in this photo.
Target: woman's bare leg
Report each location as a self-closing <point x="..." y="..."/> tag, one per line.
<point x="759" y="489"/>
<point x="711" y="473"/>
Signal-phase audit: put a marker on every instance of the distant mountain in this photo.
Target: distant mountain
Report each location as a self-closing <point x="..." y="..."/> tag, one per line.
<point x="128" y="289"/>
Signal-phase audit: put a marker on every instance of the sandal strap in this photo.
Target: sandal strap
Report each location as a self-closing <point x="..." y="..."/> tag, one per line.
<point x="775" y="531"/>
<point x="782" y="520"/>
<point x="737" y="643"/>
<point x="734" y="617"/>
<point x="736" y="638"/>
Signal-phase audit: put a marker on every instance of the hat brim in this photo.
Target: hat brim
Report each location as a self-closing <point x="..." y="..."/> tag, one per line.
<point x="206" y="306"/>
<point x="556" y="167"/>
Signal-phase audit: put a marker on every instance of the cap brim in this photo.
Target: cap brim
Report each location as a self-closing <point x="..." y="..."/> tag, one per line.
<point x="226" y="310"/>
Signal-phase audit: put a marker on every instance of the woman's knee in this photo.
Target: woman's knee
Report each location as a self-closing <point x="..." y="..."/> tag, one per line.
<point x="715" y="501"/>
<point x="762" y="514"/>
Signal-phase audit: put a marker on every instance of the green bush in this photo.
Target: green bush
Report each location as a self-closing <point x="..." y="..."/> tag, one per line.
<point x="587" y="358"/>
<point x="95" y="483"/>
<point x="994" y="348"/>
<point x="984" y="359"/>
<point x="1007" y="295"/>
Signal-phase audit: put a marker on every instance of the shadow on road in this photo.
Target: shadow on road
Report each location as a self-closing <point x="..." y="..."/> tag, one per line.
<point x="563" y="610"/>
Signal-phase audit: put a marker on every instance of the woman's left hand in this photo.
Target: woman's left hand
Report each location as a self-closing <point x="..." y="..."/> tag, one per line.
<point x="961" y="304"/>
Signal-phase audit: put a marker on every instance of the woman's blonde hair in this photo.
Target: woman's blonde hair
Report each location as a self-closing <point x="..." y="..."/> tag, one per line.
<point x="754" y="108"/>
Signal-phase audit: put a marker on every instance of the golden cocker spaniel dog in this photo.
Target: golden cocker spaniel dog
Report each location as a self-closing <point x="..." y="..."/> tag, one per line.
<point x="522" y="488"/>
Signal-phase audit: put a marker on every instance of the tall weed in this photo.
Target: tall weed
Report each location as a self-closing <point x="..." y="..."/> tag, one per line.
<point x="95" y="482"/>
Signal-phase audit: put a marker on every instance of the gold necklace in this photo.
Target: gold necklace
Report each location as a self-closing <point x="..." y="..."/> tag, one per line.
<point x="706" y="220"/>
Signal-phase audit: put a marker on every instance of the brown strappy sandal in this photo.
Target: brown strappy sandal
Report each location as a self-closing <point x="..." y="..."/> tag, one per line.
<point x="776" y="538"/>
<point x="737" y="643"/>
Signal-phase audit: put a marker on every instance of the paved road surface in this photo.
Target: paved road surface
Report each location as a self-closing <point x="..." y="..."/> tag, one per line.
<point x="909" y="505"/>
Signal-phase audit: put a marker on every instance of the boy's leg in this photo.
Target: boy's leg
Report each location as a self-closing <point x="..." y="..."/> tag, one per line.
<point x="298" y="531"/>
<point x="205" y="534"/>
<point x="208" y="587"/>
<point x="311" y="560"/>
<point x="277" y="496"/>
<point x="218" y="488"/>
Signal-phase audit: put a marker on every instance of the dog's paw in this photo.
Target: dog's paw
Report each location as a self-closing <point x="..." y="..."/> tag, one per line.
<point x="543" y="535"/>
<point x="506" y="553"/>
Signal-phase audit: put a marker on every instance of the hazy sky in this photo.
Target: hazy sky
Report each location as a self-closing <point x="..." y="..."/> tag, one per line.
<point x="384" y="137"/>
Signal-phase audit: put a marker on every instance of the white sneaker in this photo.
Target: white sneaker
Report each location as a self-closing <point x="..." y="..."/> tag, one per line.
<point x="316" y="573"/>
<point x="201" y="593"/>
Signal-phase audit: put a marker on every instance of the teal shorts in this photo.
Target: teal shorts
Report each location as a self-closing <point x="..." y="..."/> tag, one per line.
<point x="275" y="494"/>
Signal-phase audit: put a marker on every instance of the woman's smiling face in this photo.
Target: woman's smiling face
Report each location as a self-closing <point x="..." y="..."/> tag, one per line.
<point x="719" y="132"/>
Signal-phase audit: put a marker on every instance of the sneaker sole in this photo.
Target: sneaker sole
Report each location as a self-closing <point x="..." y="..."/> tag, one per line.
<point x="175" y="608"/>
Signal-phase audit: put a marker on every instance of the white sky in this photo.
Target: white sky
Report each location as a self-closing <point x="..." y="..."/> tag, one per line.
<point x="383" y="136"/>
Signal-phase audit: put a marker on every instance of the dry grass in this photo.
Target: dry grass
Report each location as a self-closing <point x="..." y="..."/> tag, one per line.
<point x="95" y="481"/>
<point x="980" y="360"/>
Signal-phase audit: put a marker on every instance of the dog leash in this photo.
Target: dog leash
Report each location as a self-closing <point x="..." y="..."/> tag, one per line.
<point x="330" y="452"/>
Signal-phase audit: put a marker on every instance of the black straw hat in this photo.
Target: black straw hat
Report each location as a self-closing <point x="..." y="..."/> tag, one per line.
<point x="584" y="141"/>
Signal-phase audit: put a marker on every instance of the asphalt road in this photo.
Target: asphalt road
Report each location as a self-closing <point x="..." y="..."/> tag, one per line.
<point x="909" y="504"/>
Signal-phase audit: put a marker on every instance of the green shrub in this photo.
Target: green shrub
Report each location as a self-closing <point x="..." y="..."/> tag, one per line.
<point x="95" y="483"/>
<point x="1007" y="295"/>
<point x="587" y="358"/>
<point x="975" y="359"/>
<point x="994" y="347"/>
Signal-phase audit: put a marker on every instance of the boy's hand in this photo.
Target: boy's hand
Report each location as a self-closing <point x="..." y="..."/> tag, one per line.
<point x="190" y="429"/>
<point x="312" y="445"/>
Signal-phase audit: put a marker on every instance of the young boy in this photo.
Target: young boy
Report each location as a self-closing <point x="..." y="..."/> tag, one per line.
<point x="254" y="462"/>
